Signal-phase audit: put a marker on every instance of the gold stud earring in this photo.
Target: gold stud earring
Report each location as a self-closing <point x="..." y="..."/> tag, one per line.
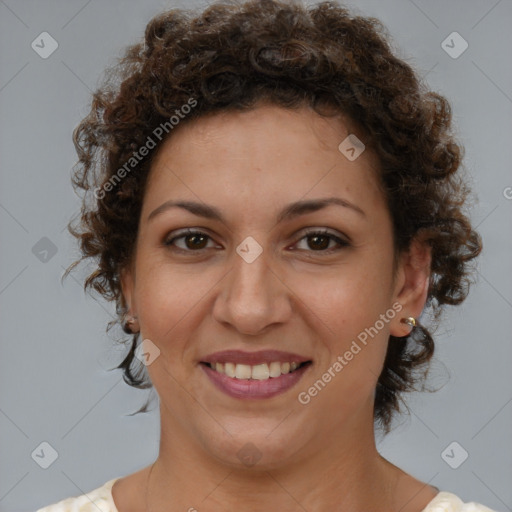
<point x="410" y="320"/>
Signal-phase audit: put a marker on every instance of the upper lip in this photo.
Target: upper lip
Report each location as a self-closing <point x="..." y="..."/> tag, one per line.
<point x="253" y="358"/>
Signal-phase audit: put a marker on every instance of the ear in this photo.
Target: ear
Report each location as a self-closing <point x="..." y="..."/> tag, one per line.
<point x="127" y="280"/>
<point x="411" y="284"/>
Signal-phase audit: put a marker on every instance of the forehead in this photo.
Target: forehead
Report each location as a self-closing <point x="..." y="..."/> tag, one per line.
<point x="268" y="154"/>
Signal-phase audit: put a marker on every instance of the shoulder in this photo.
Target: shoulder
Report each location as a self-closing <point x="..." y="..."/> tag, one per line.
<point x="449" y="502"/>
<point x="97" y="500"/>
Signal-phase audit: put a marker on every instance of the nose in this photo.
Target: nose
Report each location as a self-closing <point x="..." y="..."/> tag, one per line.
<point x="253" y="297"/>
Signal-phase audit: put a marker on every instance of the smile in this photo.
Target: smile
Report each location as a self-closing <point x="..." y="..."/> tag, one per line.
<point x="263" y="380"/>
<point x="262" y="371"/>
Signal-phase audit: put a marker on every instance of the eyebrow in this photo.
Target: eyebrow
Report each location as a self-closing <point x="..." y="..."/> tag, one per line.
<point x="289" y="212"/>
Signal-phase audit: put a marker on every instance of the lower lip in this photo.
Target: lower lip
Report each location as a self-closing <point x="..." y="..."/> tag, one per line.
<point x="251" y="389"/>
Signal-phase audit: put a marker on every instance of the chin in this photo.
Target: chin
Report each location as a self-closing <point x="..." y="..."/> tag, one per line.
<point x="257" y="450"/>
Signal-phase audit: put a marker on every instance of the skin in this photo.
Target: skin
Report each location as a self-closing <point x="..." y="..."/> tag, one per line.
<point x="294" y="297"/>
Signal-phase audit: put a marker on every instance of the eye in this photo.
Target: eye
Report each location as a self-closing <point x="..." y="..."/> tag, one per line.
<point x="194" y="240"/>
<point x="320" y="240"/>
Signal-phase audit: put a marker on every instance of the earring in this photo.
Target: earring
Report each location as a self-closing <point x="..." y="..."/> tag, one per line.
<point x="128" y="322"/>
<point x="410" y="320"/>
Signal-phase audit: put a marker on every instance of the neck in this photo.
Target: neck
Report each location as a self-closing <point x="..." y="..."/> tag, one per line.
<point x="336" y="471"/>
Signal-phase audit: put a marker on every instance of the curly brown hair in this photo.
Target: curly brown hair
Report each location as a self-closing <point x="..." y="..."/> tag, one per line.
<point x="233" y="56"/>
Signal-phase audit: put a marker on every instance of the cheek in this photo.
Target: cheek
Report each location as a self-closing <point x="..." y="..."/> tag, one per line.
<point x="349" y="318"/>
<point x="166" y="299"/>
<point x="348" y="300"/>
<point x="343" y="311"/>
<point x="352" y="341"/>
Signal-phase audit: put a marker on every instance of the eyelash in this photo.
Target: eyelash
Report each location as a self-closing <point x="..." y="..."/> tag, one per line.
<point x="190" y="232"/>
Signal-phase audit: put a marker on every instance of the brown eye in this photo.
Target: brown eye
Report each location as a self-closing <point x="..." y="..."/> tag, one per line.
<point x="194" y="240"/>
<point x="319" y="241"/>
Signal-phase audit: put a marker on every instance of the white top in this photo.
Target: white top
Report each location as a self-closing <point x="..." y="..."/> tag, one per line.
<point x="100" y="499"/>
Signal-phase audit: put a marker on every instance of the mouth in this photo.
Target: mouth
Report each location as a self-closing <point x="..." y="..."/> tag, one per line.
<point x="262" y="380"/>
<point x="263" y="371"/>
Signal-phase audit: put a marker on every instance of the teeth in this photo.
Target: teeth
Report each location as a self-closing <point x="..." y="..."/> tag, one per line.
<point x="262" y="371"/>
<point x="242" y="371"/>
<point x="275" y="369"/>
<point x="229" y="369"/>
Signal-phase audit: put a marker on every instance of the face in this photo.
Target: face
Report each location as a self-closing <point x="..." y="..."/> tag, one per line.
<point x="242" y="271"/>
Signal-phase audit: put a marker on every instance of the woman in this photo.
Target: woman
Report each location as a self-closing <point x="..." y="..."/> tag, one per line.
<point x="272" y="200"/>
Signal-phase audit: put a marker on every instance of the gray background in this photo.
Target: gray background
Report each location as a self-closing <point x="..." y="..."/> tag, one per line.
<point x="54" y="356"/>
